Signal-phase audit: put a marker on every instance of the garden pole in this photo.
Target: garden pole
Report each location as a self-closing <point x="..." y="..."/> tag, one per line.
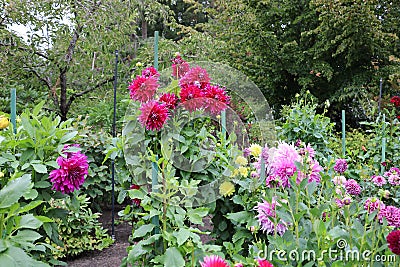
<point x="380" y="95"/>
<point x="113" y="160"/>
<point x="14" y="109"/>
<point x="343" y="133"/>
<point x="223" y="123"/>
<point x="383" y="144"/>
<point x="154" y="174"/>
<point x="262" y="170"/>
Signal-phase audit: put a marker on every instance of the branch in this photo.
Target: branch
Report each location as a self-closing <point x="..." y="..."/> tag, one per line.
<point x="76" y="95"/>
<point x="25" y="49"/>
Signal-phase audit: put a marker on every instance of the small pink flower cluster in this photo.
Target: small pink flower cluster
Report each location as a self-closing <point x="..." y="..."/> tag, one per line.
<point x="345" y="189"/>
<point x="218" y="261"/>
<point x="196" y="93"/>
<point x="391" y="214"/>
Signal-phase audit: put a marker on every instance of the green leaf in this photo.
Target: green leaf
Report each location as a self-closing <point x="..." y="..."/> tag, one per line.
<point x="68" y="137"/>
<point x="26" y="238"/>
<point x="44" y="219"/>
<point x="39" y="168"/>
<point x="182" y="235"/>
<point x="240" y="217"/>
<point x="173" y="258"/>
<point x="14" y="190"/>
<point x="42" y="184"/>
<point x="29" y="221"/>
<point x="30" y="205"/>
<point x="14" y="256"/>
<point x="28" y="126"/>
<point x="143" y="230"/>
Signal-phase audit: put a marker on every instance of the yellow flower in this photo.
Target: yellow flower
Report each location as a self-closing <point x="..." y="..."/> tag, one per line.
<point x="241" y="161"/>
<point x="226" y="189"/>
<point x="1" y="174"/>
<point x="4" y="122"/>
<point x="139" y="64"/>
<point x="255" y="150"/>
<point x="243" y="171"/>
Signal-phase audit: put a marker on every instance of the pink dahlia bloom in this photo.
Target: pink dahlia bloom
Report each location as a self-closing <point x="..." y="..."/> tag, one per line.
<point x="393" y="240"/>
<point x="378" y="180"/>
<point x="179" y="67"/>
<point x="264" y="263"/>
<point x="217" y="99"/>
<point x="71" y="174"/>
<point x="150" y="72"/>
<point x="143" y="88"/>
<point x="197" y="76"/>
<point x="169" y="99"/>
<point x="340" y="165"/>
<point x="265" y="211"/>
<point x="391" y="214"/>
<point x="192" y="98"/>
<point x="373" y="204"/>
<point x="154" y="115"/>
<point x="213" y="261"/>
<point x="393" y="176"/>
<point x="352" y="187"/>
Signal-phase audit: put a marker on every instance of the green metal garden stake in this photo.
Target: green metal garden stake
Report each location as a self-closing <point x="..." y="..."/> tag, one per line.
<point x="343" y="133"/>
<point x="156" y="50"/>
<point x="14" y="109"/>
<point x="383" y="144"/>
<point x="223" y="123"/>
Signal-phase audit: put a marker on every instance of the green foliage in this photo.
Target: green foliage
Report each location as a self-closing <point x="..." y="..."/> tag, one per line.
<point x="300" y="121"/>
<point x="18" y="226"/>
<point x="80" y="231"/>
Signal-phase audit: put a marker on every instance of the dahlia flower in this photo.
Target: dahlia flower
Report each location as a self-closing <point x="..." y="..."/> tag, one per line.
<point x="393" y="240"/>
<point x="265" y="211"/>
<point x="395" y="100"/>
<point x="149" y="72"/>
<point x="153" y="116"/>
<point x="378" y="180"/>
<point x="393" y="176"/>
<point x="352" y="187"/>
<point x="391" y="214"/>
<point x="255" y="150"/>
<point x="179" y="67"/>
<point x="226" y="188"/>
<point x="217" y="99"/>
<point x="192" y="98"/>
<point x="340" y="165"/>
<point x="169" y="99"/>
<point x="264" y="263"/>
<point x="372" y="204"/>
<point x="213" y="261"/>
<point x="195" y="76"/>
<point x="71" y="174"/>
<point x="241" y="161"/>
<point x="135" y="201"/>
<point x="143" y="88"/>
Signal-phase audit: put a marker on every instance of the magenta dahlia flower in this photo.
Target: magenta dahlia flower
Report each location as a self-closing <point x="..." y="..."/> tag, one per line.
<point x="393" y="176"/>
<point x="391" y="214"/>
<point x="150" y="72"/>
<point x="192" y="98"/>
<point x="352" y="187"/>
<point x="154" y="115"/>
<point x="265" y="212"/>
<point x="213" y="261"/>
<point x="179" y="67"/>
<point x="378" y="180"/>
<point x="72" y="172"/>
<point x="393" y="240"/>
<point x="264" y="263"/>
<point x="169" y="99"/>
<point x="143" y="88"/>
<point x="196" y="76"/>
<point x="217" y="99"/>
<point x="340" y="165"/>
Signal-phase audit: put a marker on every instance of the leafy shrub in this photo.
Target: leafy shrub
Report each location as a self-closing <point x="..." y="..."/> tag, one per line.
<point x="80" y="231"/>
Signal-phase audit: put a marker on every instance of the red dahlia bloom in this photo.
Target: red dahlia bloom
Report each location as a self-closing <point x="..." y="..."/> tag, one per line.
<point x="71" y="174"/>
<point x="170" y="100"/>
<point x="197" y="76"/>
<point x="143" y="88"/>
<point x="179" y="67"/>
<point x="149" y="72"/>
<point x="192" y="97"/>
<point x="393" y="240"/>
<point x="395" y="100"/>
<point x="213" y="261"/>
<point x="264" y="263"/>
<point x="217" y="99"/>
<point x="154" y="115"/>
<point x="135" y="201"/>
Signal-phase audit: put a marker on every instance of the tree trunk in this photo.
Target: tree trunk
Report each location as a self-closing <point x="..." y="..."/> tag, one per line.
<point x="144" y="29"/>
